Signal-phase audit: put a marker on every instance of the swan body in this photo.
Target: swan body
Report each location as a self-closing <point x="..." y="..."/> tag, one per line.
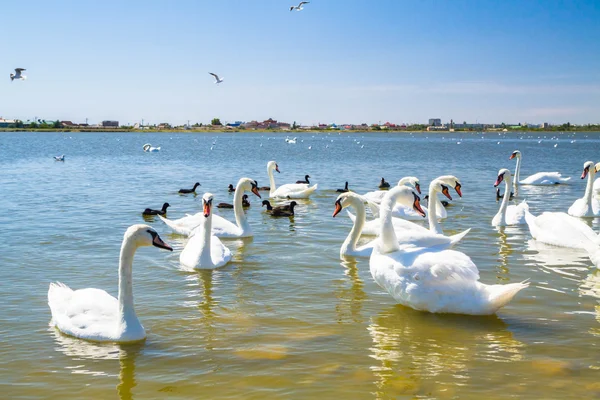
<point x="508" y="215"/>
<point x="429" y="279"/>
<point x="204" y="250"/>
<point x="290" y="190"/>
<point x="588" y="206"/>
<point x="562" y="230"/>
<point x="221" y="227"/>
<point x="93" y="314"/>
<point x="419" y="237"/>
<point x="148" y="148"/>
<point x="540" y="178"/>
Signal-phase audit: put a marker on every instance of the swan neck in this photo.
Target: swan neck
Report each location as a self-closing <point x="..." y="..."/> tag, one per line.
<point x="589" y="186"/>
<point x="271" y="182"/>
<point x="388" y="239"/>
<point x="434" y="225"/>
<point x="517" y="175"/>
<point x="125" y="298"/>
<point x="238" y="208"/>
<point x="506" y="199"/>
<point x="205" y="256"/>
<point x="357" y="227"/>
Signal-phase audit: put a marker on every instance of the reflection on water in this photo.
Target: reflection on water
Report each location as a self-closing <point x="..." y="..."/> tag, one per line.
<point x="350" y="293"/>
<point x="83" y="351"/>
<point x="442" y="348"/>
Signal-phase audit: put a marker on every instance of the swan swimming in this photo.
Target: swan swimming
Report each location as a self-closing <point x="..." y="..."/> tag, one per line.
<point x="204" y="250"/>
<point x="93" y="314"/>
<point x="588" y="206"/>
<point x="508" y="215"/>
<point x="290" y="190"/>
<point x="221" y="227"/>
<point x="540" y="178"/>
<point x="427" y="279"/>
<point x="149" y="149"/>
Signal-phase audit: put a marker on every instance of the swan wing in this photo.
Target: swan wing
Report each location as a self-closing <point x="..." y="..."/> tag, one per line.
<point x="185" y="225"/>
<point x="560" y="229"/>
<point x="375" y="196"/>
<point x="545" y="178"/>
<point x="294" y="191"/>
<point x="219" y="253"/>
<point x="85" y="313"/>
<point x="224" y="228"/>
<point x="515" y="215"/>
<point x="373" y="227"/>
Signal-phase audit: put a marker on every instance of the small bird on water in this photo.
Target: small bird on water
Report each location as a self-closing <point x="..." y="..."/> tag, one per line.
<point x="192" y="190"/>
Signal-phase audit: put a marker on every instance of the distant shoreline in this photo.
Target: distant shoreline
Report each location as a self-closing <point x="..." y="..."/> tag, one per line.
<point x="290" y="132"/>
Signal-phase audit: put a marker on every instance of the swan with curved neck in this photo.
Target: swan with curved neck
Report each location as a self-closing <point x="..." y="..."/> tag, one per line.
<point x="290" y="190"/>
<point x="588" y="206"/>
<point x="417" y="237"/>
<point x="221" y="227"/>
<point x="540" y="178"/>
<point x="204" y="250"/>
<point x="93" y="314"/>
<point x="440" y="281"/>
<point x="508" y="215"/>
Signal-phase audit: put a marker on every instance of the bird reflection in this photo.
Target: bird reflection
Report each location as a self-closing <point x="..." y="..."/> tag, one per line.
<point x="410" y="346"/>
<point x="82" y="350"/>
<point x="207" y="305"/>
<point x="504" y="252"/>
<point x="552" y="256"/>
<point x="350" y="298"/>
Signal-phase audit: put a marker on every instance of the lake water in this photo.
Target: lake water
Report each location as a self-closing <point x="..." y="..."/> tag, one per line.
<point x="286" y="319"/>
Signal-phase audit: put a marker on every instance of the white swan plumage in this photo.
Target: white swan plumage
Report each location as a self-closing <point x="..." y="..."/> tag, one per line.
<point x="290" y="190"/>
<point x="540" y="178"/>
<point x="428" y="279"/>
<point x="148" y="148"/>
<point x="93" y="314"/>
<point x="513" y="214"/>
<point x="588" y="205"/>
<point x="221" y="227"/>
<point x="376" y="196"/>
<point x="562" y="230"/>
<point x="204" y="250"/>
<point x="407" y="236"/>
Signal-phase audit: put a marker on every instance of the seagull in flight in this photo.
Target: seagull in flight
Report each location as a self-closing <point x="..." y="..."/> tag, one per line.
<point x="299" y="6"/>
<point x="18" y="75"/>
<point x="217" y="79"/>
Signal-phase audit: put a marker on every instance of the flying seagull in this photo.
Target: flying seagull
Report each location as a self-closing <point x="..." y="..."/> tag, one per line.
<point x="18" y="74"/>
<point x="299" y="6"/>
<point x="217" y="79"/>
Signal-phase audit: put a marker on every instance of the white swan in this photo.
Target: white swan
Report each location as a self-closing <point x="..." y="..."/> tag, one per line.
<point x="377" y="195"/>
<point x="418" y="237"/>
<point x="508" y="215"/>
<point x="541" y="178"/>
<point x="560" y="229"/>
<point x="148" y="148"/>
<point x="440" y="281"/>
<point x="220" y="226"/>
<point x="93" y="314"/>
<point x="291" y="141"/>
<point x="204" y="250"/>
<point x="588" y="206"/>
<point x="290" y="190"/>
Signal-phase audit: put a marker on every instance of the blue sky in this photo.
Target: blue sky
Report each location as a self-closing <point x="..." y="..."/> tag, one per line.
<point x="336" y="61"/>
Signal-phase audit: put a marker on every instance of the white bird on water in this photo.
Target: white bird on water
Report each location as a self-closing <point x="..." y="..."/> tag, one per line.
<point x="17" y="74"/>
<point x="299" y="6"/>
<point x="59" y="158"/>
<point x="217" y="79"/>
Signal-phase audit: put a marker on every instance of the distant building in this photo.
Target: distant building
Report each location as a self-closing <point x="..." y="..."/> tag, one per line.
<point x="545" y="125"/>
<point x="5" y="123"/>
<point x="110" y="124"/>
<point x="435" y="122"/>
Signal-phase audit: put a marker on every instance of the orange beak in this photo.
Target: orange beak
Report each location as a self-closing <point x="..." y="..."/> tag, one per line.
<point x="255" y="191"/>
<point x="206" y="209"/>
<point x="457" y="188"/>
<point x="585" y="172"/>
<point x="446" y="193"/>
<point x="338" y="208"/>
<point x="418" y="188"/>
<point x="499" y="180"/>
<point x="512" y="156"/>
<point x="417" y="206"/>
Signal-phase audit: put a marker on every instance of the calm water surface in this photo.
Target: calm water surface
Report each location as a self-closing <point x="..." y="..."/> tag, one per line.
<point x="286" y="318"/>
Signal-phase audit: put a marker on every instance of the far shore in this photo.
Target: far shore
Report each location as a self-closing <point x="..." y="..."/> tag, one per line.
<point x="298" y="131"/>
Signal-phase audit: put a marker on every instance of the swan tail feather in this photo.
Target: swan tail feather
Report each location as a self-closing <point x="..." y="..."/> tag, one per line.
<point x="501" y="295"/>
<point x="59" y="295"/>
<point x="175" y="227"/>
<point x="458" y="237"/>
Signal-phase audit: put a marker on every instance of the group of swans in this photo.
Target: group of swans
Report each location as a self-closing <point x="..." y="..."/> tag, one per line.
<point x="290" y="190"/>
<point x="540" y="178"/>
<point x="589" y="205"/>
<point x="424" y="275"/>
